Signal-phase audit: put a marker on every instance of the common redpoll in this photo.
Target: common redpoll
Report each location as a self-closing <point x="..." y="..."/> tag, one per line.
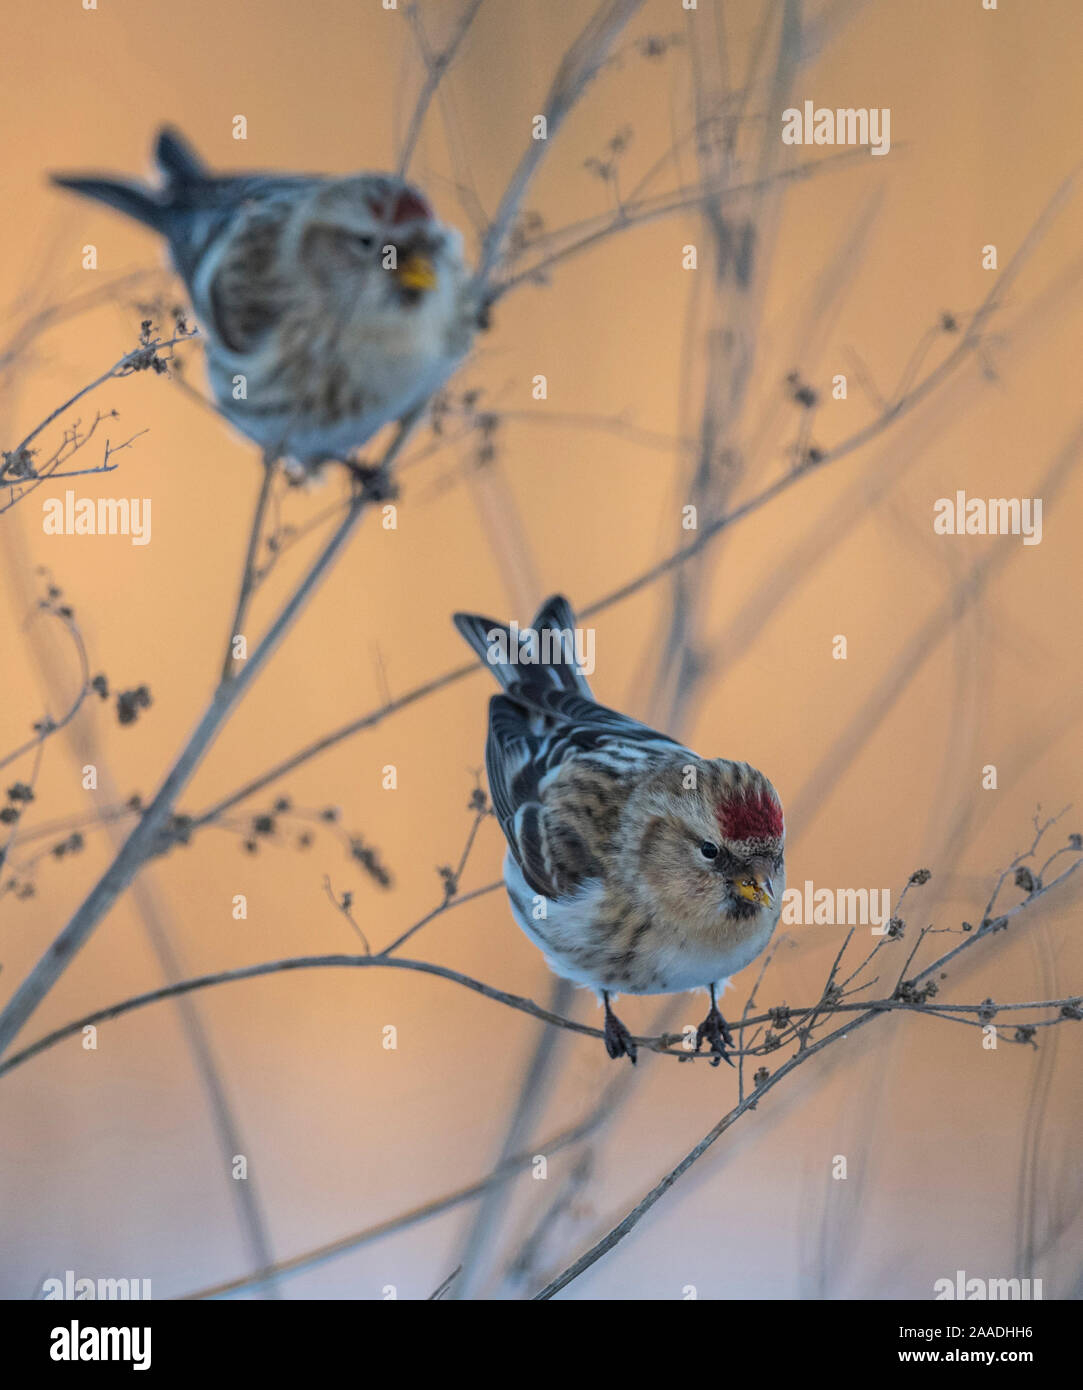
<point x="331" y="306"/>
<point x="635" y="865"/>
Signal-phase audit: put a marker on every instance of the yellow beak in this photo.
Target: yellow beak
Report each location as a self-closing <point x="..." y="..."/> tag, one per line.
<point x="755" y="892"/>
<point x="417" y="272"/>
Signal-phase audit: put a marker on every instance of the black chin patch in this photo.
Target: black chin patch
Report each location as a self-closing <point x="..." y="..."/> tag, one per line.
<point x="743" y="909"/>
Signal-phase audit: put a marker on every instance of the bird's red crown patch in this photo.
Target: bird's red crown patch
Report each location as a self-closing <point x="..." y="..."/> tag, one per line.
<point x="755" y="815"/>
<point x="404" y="205"/>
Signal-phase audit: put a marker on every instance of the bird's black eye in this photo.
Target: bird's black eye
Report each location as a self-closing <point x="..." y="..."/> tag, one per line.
<point x="366" y="241"/>
<point x="708" y="850"/>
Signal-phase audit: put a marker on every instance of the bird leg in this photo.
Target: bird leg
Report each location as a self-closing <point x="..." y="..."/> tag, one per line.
<point x="373" y="481"/>
<point x="715" y="1030"/>
<point x="251" y="562"/>
<point x="618" y="1040"/>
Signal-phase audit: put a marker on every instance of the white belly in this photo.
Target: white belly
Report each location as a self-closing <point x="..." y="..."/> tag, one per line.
<point x="306" y="439"/>
<point x="567" y="926"/>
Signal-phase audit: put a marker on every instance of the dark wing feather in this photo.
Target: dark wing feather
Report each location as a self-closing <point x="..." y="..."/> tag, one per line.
<point x="546" y="717"/>
<point x="248" y="293"/>
<point x="531" y="735"/>
<point x="512" y="766"/>
<point x="203" y="212"/>
<point x="554" y="859"/>
<point x="176" y="158"/>
<point x="581" y="723"/>
<point x="511" y="760"/>
<point x="198" y="213"/>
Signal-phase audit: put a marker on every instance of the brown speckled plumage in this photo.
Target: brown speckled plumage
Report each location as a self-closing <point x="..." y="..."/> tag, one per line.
<point x="330" y="306"/>
<point x="636" y="865"/>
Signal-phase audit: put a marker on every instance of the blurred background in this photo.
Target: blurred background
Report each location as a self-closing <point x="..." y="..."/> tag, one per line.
<point x="667" y="387"/>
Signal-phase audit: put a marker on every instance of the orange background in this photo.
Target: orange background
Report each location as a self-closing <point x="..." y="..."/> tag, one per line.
<point x="108" y="1161"/>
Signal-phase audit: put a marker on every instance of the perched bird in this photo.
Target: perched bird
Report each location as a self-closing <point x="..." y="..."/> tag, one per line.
<point x="331" y="306"/>
<point x="634" y="864"/>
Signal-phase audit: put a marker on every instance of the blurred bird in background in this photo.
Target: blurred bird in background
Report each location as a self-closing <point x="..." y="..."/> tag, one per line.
<point x="634" y="864"/>
<point x="330" y="306"/>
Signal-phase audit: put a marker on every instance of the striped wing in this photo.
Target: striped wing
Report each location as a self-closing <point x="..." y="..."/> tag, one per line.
<point x="536" y="733"/>
<point x="203" y="212"/>
<point x="248" y="294"/>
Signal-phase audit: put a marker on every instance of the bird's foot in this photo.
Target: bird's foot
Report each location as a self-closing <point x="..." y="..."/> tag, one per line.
<point x="618" y="1040"/>
<point x="372" y="481"/>
<point x="715" y="1030"/>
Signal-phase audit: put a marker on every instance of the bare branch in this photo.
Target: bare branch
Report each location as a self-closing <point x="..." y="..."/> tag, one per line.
<point x="578" y="68"/>
<point x="436" y="66"/>
<point x="143" y="839"/>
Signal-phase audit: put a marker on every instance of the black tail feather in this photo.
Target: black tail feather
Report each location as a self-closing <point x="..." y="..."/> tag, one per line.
<point x="551" y="666"/>
<point x="130" y="198"/>
<point x="482" y="634"/>
<point x="181" y="169"/>
<point x="177" y="160"/>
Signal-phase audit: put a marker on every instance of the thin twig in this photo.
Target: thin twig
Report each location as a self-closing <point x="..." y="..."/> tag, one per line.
<point x="657" y="1044"/>
<point x="926" y="387"/>
<point x="248" y="573"/>
<point x="141" y="843"/>
<point x="436" y="66"/>
<point x="764" y="1083"/>
<point x="310" y="1259"/>
<point x="579" y="66"/>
